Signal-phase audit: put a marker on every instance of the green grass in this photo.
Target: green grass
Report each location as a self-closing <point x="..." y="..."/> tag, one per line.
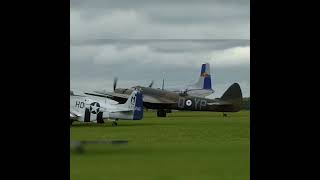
<point x="182" y="146"/>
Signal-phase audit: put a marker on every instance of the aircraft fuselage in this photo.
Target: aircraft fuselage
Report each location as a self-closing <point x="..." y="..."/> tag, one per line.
<point x="186" y="102"/>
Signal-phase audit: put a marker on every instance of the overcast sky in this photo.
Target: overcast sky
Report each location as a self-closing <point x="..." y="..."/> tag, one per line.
<point x="139" y="40"/>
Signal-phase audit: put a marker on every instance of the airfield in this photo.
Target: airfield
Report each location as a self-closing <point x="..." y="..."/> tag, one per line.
<point x="183" y="146"/>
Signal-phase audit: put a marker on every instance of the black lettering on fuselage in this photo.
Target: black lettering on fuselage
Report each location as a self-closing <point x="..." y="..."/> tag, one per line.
<point x="199" y="104"/>
<point x="79" y="104"/>
<point x="203" y="103"/>
<point x="196" y="103"/>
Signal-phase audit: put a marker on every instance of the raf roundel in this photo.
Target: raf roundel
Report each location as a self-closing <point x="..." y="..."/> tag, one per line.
<point x="189" y="102"/>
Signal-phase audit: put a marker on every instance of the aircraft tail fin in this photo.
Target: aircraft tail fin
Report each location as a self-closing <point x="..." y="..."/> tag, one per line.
<point x="233" y="92"/>
<point x="204" y="81"/>
<point x="135" y="102"/>
<point x="233" y="95"/>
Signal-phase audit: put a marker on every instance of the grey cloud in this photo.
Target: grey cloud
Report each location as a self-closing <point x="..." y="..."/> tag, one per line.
<point x="138" y="3"/>
<point x="198" y="13"/>
<point x="167" y="45"/>
<point x="164" y="53"/>
<point x="160" y="19"/>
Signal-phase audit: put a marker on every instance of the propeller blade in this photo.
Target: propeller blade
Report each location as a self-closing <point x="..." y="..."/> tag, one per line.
<point x="163" y="84"/>
<point x="186" y="91"/>
<point x="115" y="80"/>
<point x="163" y="81"/>
<point x="151" y="84"/>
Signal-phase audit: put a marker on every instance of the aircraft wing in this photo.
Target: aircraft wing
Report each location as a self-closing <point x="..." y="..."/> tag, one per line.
<point x="157" y="100"/>
<point x="146" y="98"/>
<point x="123" y="97"/>
<point x="74" y="114"/>
<point x="119" y="109"/>
<point x="105" y="95"/>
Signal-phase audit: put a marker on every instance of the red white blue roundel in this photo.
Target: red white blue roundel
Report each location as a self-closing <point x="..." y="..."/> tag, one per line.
<point x="189" y="102"/>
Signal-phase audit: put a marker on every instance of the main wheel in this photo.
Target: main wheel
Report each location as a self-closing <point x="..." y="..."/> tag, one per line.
<point x="161" y="113"/>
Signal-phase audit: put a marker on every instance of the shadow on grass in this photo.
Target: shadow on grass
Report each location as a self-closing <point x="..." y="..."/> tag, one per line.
<point x="107" y="124"/>
<point x="110" y="150"/>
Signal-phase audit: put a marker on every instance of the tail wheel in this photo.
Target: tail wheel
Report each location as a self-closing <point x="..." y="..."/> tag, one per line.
<point x="161" y="113"/>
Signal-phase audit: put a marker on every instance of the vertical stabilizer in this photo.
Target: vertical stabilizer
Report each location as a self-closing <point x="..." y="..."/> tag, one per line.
<point x="204" y="81"/>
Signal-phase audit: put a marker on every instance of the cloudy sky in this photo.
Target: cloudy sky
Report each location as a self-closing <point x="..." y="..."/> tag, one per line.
<point x="143" y="40"/>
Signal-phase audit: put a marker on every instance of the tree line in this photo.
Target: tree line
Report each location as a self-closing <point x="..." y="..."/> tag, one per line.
<point x="246" y="103"/>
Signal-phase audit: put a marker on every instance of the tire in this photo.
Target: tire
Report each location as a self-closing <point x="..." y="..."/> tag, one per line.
<point x="161" y="113"/>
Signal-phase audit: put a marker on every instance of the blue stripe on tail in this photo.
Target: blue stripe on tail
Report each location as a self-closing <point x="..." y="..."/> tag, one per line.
<point x="203" y="69"/>
<point x="207" y="83"/>
<point x="138" y="112"/>
<point x="207" y="77"/>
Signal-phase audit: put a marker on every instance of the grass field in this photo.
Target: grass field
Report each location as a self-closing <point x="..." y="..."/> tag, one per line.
<point x="182" y="146"/>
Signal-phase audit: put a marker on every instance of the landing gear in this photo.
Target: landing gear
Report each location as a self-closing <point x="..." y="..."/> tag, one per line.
<point x="114" y="123"/>
<point x="100" y="118"/>
<point x="161" y="113"/>
<point x="100" y="121"/>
